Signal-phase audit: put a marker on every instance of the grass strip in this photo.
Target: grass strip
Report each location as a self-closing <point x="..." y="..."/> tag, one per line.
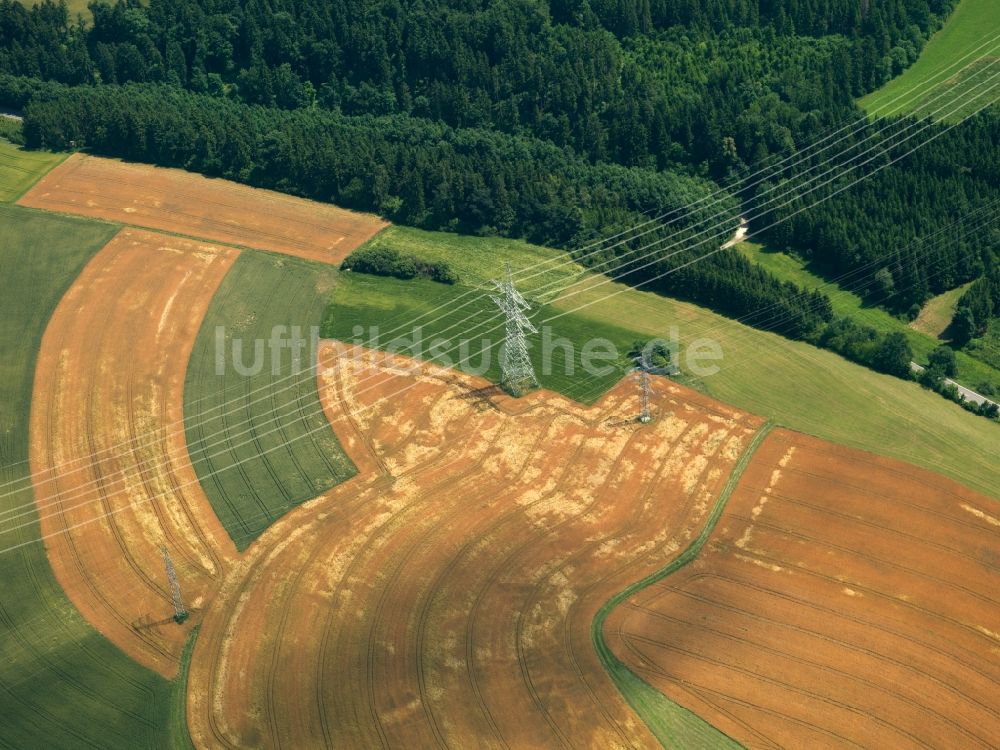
<point x="671" y="724"/>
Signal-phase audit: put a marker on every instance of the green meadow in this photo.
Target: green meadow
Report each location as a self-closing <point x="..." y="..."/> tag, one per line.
<point x="460" y="326"/>
<point x="972" y="371"/>
<point x="20" y="169"/>
<point x="954" y="66"/>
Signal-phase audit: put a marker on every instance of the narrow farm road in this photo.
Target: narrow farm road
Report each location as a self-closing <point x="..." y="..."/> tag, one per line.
<point x="976" y="398"/>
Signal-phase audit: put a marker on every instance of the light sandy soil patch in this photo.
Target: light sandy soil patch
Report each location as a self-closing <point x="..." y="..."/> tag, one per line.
<point x="173" y="200"/>
<point x="444" y="596"/>
<point x="843" y="600"/>
<point x="113" y="481"/>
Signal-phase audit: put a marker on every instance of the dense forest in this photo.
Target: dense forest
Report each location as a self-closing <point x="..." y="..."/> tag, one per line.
<point x="881" y="222"/>
<point x="560" y="121"/>
<point x="979" y="306"/>
<point x="638" y="82"/>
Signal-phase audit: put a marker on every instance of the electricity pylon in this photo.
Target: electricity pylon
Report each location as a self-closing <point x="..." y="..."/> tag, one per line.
<point x="180" y="612"/>
<point x="516" y="372"/>
<point x="642" y="372"/>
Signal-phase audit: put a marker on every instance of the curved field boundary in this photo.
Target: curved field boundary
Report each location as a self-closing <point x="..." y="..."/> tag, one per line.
<point x="113" y="485"/>
<point x="62" y="684"/>
<point x="20" y="169"/>
<point x="175" y="201"/>
<point x="847" y="600"/>
<point x="673" y="725"/>
<point x="258" y="438"/>
<point x="445" y="596"/>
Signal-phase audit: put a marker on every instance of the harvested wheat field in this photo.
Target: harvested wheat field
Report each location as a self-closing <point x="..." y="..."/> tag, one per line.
<point x="843" y="600"/>
<point x="444" y="596"/>
<point x="112" y="476"/>
<point x="181" y="202"/>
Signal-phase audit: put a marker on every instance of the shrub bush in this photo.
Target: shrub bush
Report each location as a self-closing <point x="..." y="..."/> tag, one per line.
<point x="386" y="261"/>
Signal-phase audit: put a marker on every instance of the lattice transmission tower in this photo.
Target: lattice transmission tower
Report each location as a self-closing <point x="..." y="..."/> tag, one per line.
<point x="180" y="611"/>
<point x="642" y="372"/>
<point x="516" y="373"/>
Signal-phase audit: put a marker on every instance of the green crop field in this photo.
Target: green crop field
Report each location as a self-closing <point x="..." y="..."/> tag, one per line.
<point x="792" y="383"/>
<point x="64" y="685"/>
<point x="955" y="60"/>
<point x="972" y="371"/>
<point x="20" y="169"/>
<point x="469" y="328"/>
<point x="259" y="441"/>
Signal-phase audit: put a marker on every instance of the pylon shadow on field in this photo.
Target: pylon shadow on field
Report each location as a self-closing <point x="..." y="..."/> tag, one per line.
<point x="146" y="622"/>
<point x="481" y="398"/>
<point x="634" y="422"/>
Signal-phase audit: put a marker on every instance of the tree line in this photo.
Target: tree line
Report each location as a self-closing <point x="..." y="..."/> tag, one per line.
<point x="637" y="82"/>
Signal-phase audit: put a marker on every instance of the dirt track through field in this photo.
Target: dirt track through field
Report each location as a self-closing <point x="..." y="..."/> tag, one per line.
<point x="844" y="600"/>
<point x="109" y="384"/>
<point x="444" y="596"/>
<point x="173" y="200"/>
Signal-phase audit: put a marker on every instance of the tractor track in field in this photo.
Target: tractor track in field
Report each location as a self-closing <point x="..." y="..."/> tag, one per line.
<point x="871" y="591"/>
<point x="496" y="572"/>
<point x="622" y="533"/>
<point x="840" y="642"/>
<point x="878" y="561"/>
<point x="818" y="666"/>
<point x="101" y="393"/>
<point x="101" y="487"/>
<point x="888" y="649"/>
<point x="436" y="586"/>
<point x="420" y="623"/>
<point x="654" y="669"/>
<point x="840" y="614"/>
<point x="206" y="544"/>
<point x="399" y="519"/>
<point x="438" y="583"/>
<point x="520" y="625"/>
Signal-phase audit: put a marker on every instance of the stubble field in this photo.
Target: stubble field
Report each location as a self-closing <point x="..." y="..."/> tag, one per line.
<point x="172" y="200"/>
<point x="113" y="481"/>
<point x="844" y="600"/>
<point x="444" y="596"/>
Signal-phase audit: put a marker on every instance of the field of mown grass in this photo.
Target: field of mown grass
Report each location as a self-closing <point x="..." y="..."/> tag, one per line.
<point x="937" y="314"/>
<point x="20" y="169"/>
<point x="64" y="685"/>
<point x="972" y="372"/>
<point x="789" y="382"/>
<point x="260" y="443"/>
<point x="974" y="25"/>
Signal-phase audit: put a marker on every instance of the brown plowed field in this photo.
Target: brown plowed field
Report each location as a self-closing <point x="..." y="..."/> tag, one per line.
<point x="843" y="600"/>
<point x="108" y="453"/>
<point x="444" y="596"/>
<point x="185" y="203"/>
